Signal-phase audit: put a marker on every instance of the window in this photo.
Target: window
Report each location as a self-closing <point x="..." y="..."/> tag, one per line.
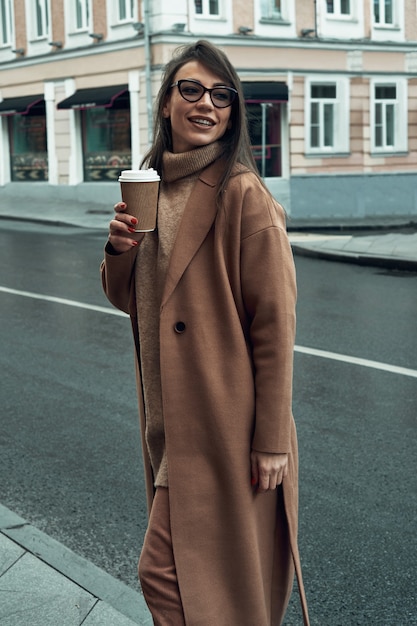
<point x="272" y="9"/>
<point x="81" y="14"/>
<point x="126" y="10"/>
<point x="28" y="151"/>
<point x="385" y="101"/>
<point x="389" y="116"/>
<point x="327" y="116"/>
<point x="207" y="8"/>
<point x="322" y="116"/>
<point x="339" y="7"/>
<point x="264" y="121"/>
<point x="106" y="143"/>
<point x="41" y="21"/>
<point x="6" y="22"/>
<point x="384" y="12"/>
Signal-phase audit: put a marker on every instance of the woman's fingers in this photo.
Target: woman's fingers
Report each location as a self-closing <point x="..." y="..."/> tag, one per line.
<point x="268" y="470"/>
<point x="121" y="228"/>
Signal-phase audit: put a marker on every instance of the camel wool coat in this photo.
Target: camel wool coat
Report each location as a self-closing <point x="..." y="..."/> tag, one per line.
<point x="227" y="327"/>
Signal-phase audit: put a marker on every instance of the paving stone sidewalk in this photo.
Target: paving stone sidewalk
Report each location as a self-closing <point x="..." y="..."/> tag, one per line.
<point x="43" y="583"/>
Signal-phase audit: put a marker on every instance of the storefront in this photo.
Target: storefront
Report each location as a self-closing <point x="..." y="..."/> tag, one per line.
<point x="105" y="130"/>
<point x="264" y="104"/>
<point x="26" y="129"/>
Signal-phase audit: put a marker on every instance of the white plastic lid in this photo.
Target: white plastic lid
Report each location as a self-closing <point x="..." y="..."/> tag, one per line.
<point x="143" y="176"/>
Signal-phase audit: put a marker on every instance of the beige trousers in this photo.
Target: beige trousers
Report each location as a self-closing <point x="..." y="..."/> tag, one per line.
<point x="157" y="573"/>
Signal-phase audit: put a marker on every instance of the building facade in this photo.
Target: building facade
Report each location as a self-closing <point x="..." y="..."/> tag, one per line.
<point x="330" y="89"/>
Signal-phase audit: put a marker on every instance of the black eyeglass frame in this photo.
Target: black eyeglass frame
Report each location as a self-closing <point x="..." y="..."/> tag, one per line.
<point x="232" y="91"/>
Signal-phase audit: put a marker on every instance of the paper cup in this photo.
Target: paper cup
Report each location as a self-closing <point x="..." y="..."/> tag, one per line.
<point x="140" y="190"/>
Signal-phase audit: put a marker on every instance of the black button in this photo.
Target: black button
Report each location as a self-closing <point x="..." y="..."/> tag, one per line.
<point x="179" y="327"/>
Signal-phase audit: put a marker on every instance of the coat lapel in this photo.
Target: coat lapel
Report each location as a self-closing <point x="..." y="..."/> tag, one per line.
<point x="199" y="215"/>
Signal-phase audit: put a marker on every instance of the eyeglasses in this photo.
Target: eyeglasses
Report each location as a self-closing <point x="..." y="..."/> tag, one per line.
<point x="192" y="91"/>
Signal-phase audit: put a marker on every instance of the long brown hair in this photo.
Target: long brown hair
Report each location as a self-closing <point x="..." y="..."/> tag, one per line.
<point x="237" y="146"/>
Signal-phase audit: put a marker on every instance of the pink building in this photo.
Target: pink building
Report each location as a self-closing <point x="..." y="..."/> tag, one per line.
<point x="330" y="86"/>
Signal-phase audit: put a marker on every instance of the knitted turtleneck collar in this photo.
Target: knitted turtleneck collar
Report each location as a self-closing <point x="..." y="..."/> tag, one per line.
<point x="181" y="164"/>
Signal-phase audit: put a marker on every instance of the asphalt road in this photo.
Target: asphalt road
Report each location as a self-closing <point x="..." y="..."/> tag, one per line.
<point x="70" y="458"/>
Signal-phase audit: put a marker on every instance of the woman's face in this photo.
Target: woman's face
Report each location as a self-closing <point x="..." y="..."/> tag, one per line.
<point x="195" y="124"/>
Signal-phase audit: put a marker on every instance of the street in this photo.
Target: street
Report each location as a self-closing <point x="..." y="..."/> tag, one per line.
<point x="70" y="454"/>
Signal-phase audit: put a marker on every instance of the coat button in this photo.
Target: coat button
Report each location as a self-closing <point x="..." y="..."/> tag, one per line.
<point x="179" y="327"/>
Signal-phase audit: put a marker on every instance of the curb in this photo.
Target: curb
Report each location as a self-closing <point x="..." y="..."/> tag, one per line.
<point x="392" y="263"/>
<point x="82" y="572"/>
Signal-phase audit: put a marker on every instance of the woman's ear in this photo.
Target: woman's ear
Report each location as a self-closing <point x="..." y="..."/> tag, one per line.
<point x="166" y="110"/>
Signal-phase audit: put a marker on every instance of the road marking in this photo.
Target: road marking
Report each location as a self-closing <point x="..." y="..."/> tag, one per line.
<point x="80" y="305"/>
<point x="386" y="367"/>
<point x="394" y="369"/>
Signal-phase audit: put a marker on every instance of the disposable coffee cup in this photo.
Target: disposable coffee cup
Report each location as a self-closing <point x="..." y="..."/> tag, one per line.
<point x="140" y="192"/>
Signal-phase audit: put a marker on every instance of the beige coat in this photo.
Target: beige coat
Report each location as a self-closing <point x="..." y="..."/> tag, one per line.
<point x="227" y="326"/>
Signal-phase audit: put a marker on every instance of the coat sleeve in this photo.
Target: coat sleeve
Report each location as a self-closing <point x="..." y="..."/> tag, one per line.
<point x="269" y="293"/>
<point x="117" y="275"/>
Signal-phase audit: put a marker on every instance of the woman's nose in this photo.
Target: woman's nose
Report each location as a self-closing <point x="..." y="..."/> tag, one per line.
<point x="205" y="100"/>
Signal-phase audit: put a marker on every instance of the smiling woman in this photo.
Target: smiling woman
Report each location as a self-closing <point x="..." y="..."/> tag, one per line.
<point x="214" y="360"/>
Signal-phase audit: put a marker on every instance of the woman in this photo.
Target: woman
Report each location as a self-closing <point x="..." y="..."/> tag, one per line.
<point x="211" y="295"/>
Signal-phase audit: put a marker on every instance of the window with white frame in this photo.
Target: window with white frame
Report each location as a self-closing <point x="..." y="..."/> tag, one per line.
<point x="384" y="12"/>
<point x="81" y="10"/>
<point x="339" y="8"/>
<point x="6" y="23"/>
<point x="41" y="18"/>
<point x="207" y="8"/>
<point x="126" y="10"/>
<point x="322" y="116"/>
<point x="389" y="116"/>
<point x="272" y="9"/>
<point x="327" y="116"/>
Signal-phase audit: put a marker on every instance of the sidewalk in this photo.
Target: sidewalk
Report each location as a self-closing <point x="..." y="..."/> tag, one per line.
<point x="387" y="247"/>
<point x="42" y="583"/>
<point x="392" y="250"/>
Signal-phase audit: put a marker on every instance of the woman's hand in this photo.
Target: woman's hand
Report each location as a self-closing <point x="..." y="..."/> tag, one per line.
<point x="121" y="228"/>
<point x="268" y="470"/>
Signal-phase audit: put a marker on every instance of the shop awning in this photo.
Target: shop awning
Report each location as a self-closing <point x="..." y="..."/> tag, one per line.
<point x="22" y="105"/>
<point x="116" y="96"/>
<point x="265" y="91"/>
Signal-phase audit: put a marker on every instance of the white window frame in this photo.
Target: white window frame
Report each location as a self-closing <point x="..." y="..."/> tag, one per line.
<point x="383" y="31"/>
<point x="339" y="25"/>
<point x="269" y="12"/>
<point x="45" y="15"/>
<point x="85" y="11"/>
<point x="400" y="115"/>
<point x="208" y="24"/>
<point x="130" y="10"/>
<point x="273" y="24"/>
<point x="383" y="23"/>
<point x="341" y="121"/>
<point x="337" y="13"/>
<point x="38" y="44"/>
<point x="77" y="36"/>
<point x="116" y="28"/>
<point x="205" y="14"/>
<point x="6" y="23"/>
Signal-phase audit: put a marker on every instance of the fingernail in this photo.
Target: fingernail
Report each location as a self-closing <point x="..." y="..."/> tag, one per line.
<point x="131" y="230"/>
<point x="253" y="482"/>
<point x="134" y="220"/>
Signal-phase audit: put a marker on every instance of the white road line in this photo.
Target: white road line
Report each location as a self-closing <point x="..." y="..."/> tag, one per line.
<point x="80" y="305"/>
<point x="394" y="369"/>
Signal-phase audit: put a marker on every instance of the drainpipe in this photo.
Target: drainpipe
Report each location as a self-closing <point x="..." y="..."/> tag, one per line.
<point x="147" y="41"/>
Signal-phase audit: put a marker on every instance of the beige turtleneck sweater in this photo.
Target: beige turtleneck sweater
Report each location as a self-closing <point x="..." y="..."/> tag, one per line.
<point x="180" y="172"/>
